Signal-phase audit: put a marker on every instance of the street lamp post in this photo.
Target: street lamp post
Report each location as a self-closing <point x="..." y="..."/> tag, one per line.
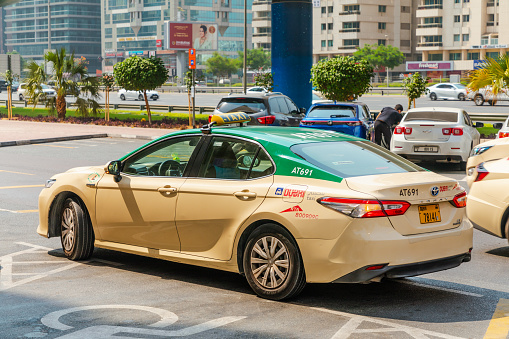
<point x="244" y="77"/>
<point x="386" y="36"/>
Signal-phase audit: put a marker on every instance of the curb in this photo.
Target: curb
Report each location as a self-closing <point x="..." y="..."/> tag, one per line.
<point x="76" y="137"/>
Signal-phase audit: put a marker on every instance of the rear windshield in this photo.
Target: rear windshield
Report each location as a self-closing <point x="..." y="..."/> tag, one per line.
<point x="247" y="105"/>
<point x="353" y="158"/>
<point x="432" y="116"/>
<point x="332" y="112"/>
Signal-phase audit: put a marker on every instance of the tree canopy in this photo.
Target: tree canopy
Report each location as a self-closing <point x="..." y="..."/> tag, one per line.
<point x="220" y="65"/>
<point x="415" y="87"/>
<point x="141" y="74"/>
<point x="342" y="78"/>
<point x="380" y="55"/>
<point x="257" y="59"/>
<point x="493" y="73"/>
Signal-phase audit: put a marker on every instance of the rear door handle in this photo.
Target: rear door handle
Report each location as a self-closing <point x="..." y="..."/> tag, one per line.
<point x="167" y="190"/>
<point x="245" y="194"/>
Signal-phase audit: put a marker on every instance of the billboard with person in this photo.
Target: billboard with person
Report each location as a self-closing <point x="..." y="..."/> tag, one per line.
<point x="186" y="35"/>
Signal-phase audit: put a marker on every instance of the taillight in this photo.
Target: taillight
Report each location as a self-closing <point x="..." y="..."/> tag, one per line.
<point x="350" y="123"/>
<point x="452" y="131"/>
<point x="460" y="200"/>
<point x="403" y="130"/>
<point x="360" y="208"/>
<point x="503" y="134"/>
<point x="481" y="172"/>
<point x="267" y="120"/>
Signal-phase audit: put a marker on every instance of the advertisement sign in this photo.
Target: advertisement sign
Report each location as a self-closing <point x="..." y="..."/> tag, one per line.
<point x="192" y="58"/>
<point x="487" y="46"/>
<point x="159" y="43"/>
<point x="478" y="64"/>
<point x="198" y="36"/>
<point x="135" y="52"/>
<point x="429" y="65"/>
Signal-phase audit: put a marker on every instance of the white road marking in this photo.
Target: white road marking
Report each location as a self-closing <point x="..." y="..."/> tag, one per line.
<point x="52" y="320"/>
<point x="18" y="212"/>
<point x="6" y="271"/>
<point x="440" y="288"/>
<point x="355" y="320"/>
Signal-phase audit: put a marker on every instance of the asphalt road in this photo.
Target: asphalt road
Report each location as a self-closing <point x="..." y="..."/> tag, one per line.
<point x="43" y="295"/>
<point x="375" y="102"/>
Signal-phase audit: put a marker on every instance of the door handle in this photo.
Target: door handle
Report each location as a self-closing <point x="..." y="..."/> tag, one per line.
<point x="167" y="190"/>
<point x="245" y="194"/>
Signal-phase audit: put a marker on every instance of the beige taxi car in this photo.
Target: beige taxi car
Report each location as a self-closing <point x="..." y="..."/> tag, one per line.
<point x="283" y="206"/>
<point x="484" y="152"/>
<point x="488" y="199"/>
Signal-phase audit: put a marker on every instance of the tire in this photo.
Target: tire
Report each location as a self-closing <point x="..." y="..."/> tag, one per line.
<point x="140" y="97"/>
<point x="507" y="228"/>
<point x="122" y="97"/>
<point x="433" y="96"/>
<point x="21" y="97"/>
<point x="479" y="100"/>
<point x="291" y="278"/>
<point x="77" y="235"/>
<point x="461" y="97"/>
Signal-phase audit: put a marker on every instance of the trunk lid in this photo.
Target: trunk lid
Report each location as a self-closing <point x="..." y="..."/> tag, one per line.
<point x="428" y="131"/>
<point x="427" y="192"/>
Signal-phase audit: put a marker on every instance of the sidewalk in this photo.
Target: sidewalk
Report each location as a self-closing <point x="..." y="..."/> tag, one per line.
<point x="13" y="132"/>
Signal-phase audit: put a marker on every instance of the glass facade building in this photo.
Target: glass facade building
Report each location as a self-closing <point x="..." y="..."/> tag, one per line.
<point x="32" y="27"/>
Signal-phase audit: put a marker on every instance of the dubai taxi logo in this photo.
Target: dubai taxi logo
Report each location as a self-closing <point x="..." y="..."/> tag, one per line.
<point x="93" y="177"/>
<point x="293" y="193"/>
<point x="295" y="208"/>
<point x="434" y="191"/>
<point x="279" y="191"/>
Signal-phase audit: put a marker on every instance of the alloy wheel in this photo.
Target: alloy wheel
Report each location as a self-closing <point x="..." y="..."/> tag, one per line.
<point x="68" y="232"/>
<point x="270" y="262"/>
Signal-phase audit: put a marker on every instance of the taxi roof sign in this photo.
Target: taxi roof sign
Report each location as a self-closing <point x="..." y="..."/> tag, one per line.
<point x="230" y="118"/>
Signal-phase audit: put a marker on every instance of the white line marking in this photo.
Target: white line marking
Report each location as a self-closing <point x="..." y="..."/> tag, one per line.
<point x="355" y="320"/>
<point x="5" y="271"/>
<point x="4" y="287"/>
<point x="440" y="288"/>
<point x="52" y="320"/>
<point x="17" y="212"/>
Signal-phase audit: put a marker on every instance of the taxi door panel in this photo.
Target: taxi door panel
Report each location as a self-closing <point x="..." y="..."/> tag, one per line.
<point x="138" y="211"/>
<point x="210" y="212"/>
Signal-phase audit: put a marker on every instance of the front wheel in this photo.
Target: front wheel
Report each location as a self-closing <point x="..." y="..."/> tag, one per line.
<point x="433" y="96"/>
<point x="77" y="235"/>
<point x="122" y="97"/>
<point x="461" y="97"/>
<point x="21" y="97"/>
<point x="479" y="100"/>
<point x="272" y="263"/>
<point x="140" y="97"/>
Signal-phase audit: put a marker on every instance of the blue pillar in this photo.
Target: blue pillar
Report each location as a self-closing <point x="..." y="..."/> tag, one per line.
<point x="292" y="49"/>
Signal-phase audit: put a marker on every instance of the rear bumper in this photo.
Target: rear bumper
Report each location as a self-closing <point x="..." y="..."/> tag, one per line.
<point x="407" y="270"/>
<point x="446" y="150"/>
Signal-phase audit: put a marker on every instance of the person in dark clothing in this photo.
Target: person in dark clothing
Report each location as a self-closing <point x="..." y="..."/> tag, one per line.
<point x="383" y="125"/>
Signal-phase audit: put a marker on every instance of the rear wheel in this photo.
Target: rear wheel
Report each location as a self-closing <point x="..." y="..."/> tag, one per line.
<point x="122" y="97"/>
<point x="272" y="263"/>
<point x="478" y="100"/>
<point x="433" y="96"/>
<point x="21" y="97"/>
<point x="140" y="97"/>
<point x="77" y="235"/>
<point x="461" y="97"/>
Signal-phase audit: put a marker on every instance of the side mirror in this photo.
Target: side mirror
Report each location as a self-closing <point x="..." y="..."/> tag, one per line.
<point x="478" y="124"/>
<point x="498" y="125"/>
<point x="114" y="167"/>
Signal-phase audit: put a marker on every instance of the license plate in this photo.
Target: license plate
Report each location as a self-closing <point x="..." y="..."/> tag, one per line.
<point x="432" y="149"/>
<point x="429" y="213"/>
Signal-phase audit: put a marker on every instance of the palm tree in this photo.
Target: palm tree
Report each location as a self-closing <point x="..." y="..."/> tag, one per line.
<point x="494" y="75"/>
<point x="70" y="77"/>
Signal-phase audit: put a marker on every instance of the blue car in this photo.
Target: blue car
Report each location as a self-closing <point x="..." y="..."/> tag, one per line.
<point x="352" y="118"/>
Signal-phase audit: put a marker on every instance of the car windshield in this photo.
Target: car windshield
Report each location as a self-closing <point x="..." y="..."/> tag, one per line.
<point x="432" y="116"/>
<point x="332" y="112"/>
<point x="247" y="105"/>
<point x="353" y="158"/>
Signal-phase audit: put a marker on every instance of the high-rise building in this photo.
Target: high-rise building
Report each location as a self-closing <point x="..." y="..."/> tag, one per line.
<point x="35" y="26"/>
<point x="136" y="27"/>
<point x="262" y="24"/>
<point x="453" y="35"/>
<point x="342" y="26"/>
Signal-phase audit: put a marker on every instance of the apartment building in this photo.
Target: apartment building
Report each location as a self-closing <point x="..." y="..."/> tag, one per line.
<point x="453" y="35"/>
<point x="342" y="26"/>
<point x="136" y="27"/>
<point x="32" y="27"/>
<point x="262" y="25"/>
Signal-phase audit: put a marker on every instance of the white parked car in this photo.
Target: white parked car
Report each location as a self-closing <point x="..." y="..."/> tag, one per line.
<point x="490" y="150"/>
<point x="447" y="91"/>
<point x="503" y="127"/>
<point x="137" y="95"/>
<point x="436" y="133"/>
<point x="256" y="89"/>
<point x="486" y="95"/>
<point x="22" y="88"/>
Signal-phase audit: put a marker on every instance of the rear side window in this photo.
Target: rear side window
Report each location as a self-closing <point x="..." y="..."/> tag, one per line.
<point x="432" y="116"/>
<point x="247" y="105"/>
<point x="353" y="158"/>
<point x="332" y="112"/>
<point x="283" y="107"/>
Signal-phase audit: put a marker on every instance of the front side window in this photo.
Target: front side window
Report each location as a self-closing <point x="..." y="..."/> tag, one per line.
<point x="168" y="158"/>
<point x="228" y="158"/>
<point x="283" y="107"/>
<point x="353" y="158"/>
